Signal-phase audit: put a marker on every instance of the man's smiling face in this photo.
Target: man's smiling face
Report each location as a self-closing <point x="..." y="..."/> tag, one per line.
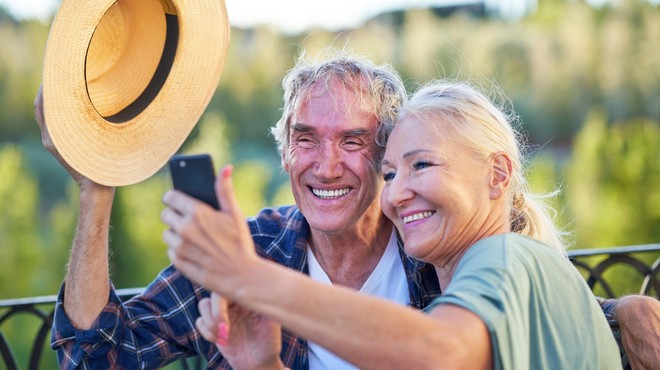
<point x="330" y="160"/>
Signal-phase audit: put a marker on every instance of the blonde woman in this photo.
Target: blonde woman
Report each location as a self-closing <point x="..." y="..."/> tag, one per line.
<point x="455" y="190"/>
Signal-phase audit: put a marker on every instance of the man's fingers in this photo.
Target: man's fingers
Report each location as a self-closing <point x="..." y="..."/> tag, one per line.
<point x="39" y="107"/>
<point x="41" y="120"/>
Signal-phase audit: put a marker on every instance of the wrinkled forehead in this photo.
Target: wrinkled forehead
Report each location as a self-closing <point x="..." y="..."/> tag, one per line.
<point x="346" y="97"/>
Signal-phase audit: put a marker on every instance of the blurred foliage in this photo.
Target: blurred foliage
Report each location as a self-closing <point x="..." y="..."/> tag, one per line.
<point x="555" y="65"/>
<point x="18" y="232"/>
<point x="613" y="193"/>
<point x="612" y="181"/>
<point x="585" y="81"/>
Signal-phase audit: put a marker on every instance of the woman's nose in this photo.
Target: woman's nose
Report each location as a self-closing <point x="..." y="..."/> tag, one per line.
<point x="398" y="191"/>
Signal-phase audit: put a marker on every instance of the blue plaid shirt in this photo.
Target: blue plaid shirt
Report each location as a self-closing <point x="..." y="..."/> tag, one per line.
<point x="158" y="326"/>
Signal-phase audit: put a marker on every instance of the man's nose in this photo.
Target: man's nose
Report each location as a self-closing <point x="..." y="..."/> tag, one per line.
<point x="330" y="163"/>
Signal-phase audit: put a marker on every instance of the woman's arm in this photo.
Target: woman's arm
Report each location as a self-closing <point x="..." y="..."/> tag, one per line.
<point x="216" y="250"/>
<point x="367" y="331"/>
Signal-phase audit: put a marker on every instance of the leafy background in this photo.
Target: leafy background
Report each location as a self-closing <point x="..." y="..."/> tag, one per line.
<point x="585" y="81"/>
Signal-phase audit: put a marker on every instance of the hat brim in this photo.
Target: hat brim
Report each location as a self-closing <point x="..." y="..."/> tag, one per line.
<point x="127" y="152"/>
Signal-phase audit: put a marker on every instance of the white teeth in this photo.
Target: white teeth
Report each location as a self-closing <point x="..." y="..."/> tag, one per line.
<point x="330" y="194"/>
<point x="417" y="216"/>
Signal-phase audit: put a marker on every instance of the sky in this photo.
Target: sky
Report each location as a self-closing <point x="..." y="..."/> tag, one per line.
<point x="290" y="16"/>
<point x="295" y="16"/>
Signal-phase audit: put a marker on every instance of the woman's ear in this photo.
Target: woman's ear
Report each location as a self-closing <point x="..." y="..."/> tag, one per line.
<point x="500" y="175"/>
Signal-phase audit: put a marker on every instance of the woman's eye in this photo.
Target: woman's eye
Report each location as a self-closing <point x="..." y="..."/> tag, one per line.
<point x="420" y="165"/>
<point x="387" y="176"/>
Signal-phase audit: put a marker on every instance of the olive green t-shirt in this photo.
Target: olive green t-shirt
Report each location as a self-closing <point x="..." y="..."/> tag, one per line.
<point x="539" y="311"/>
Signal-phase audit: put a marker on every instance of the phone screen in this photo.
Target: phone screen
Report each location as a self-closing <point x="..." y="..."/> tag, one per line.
<point x="195" y="176"/>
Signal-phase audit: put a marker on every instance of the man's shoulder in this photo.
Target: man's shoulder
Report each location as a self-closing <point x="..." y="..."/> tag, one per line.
<point x="281" y="233"/>
<point x="272" y="220"/>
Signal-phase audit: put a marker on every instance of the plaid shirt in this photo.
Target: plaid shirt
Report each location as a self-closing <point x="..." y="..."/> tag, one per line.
<point x="609" y="307"/>
<point x="158" y="326"/>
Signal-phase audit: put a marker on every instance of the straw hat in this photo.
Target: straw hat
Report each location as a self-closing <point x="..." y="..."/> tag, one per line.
<point x="125" y="81"/>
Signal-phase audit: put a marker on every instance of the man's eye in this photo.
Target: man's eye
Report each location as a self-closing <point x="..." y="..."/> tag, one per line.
<point x="387" y="176"/>
<point x="353" y="144"/>
<point x="304" y="142"/>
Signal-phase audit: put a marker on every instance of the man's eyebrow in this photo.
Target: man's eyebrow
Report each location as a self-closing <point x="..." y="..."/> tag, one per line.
<point x="356" y="132"/>
<point x="300" y="127"/>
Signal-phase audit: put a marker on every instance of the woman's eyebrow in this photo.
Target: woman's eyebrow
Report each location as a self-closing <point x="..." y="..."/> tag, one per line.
<point x="415" y="152"/>
<point x="407" y="155"/>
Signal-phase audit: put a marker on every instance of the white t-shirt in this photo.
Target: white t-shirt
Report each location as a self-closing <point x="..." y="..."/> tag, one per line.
<point x="388" y="280"/>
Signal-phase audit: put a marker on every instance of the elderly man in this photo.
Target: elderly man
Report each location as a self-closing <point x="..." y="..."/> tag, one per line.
<point x="336" y="232"/>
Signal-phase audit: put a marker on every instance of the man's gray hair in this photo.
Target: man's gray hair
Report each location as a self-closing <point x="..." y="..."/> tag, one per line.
<point x="380" y="88"/>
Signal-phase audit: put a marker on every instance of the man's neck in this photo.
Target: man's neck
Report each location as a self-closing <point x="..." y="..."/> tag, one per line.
<point x="349" y="257"/>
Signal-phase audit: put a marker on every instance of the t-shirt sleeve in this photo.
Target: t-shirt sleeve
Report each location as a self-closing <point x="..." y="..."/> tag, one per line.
<point x="480" y="285"/>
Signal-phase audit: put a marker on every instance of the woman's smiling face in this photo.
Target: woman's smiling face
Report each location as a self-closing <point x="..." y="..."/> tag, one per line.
<point x="436" y="190"/>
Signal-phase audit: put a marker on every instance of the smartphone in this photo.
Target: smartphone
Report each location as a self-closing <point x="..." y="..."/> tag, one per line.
<point x="195" y="176"/>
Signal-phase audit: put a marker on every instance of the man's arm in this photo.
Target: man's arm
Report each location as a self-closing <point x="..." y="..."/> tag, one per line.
<point x="638" y="318"/>
<point x="92" y="328"/>
<point x="87" y="278"/>
<point x="147" y="331"/>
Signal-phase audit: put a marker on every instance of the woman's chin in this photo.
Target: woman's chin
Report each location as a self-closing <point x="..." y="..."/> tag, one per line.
<point x="414" y="249"/>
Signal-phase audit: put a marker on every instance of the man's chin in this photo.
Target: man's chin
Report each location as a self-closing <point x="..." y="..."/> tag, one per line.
<point x="327" y="228"/>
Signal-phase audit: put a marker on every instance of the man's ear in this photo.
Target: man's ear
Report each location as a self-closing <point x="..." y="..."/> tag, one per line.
<point x="500" y="174"/>
<point x="285" y="160"/>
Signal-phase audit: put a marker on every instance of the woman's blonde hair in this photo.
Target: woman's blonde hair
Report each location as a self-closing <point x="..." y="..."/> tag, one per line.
<point x="487" y="129"/>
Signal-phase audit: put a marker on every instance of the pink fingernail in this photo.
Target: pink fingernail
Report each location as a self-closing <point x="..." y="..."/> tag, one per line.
<point x="223" y="334"/>
<point x="227" y="171"/>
